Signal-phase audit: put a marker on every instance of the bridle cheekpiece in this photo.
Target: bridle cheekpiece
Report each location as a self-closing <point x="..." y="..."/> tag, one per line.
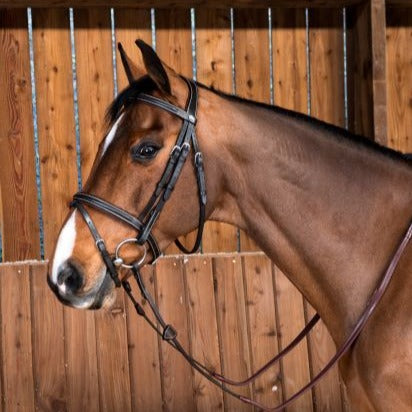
<point x="144" y="223"/>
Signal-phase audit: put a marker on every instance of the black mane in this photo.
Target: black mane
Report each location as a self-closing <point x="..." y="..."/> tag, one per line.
<point x="336" y="131"/>
<point x="127" y="96"/>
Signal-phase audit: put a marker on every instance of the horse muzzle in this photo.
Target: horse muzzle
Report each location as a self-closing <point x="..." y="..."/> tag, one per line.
<point x="69" y="288"/>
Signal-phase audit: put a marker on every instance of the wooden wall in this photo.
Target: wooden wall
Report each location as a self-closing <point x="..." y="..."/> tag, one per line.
<point x="49" y="361"/>
<point x="103" y="361"/>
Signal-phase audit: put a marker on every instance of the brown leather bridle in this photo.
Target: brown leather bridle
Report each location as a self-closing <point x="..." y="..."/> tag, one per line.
<point x="187" y="139"/>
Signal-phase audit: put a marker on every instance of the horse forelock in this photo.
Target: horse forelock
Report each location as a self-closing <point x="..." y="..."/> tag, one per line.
<point x="127" y="96"/>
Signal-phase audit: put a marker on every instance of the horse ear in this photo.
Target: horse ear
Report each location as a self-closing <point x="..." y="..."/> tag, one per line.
<point x="132" y="71"/>
<point x="155" y="68"/>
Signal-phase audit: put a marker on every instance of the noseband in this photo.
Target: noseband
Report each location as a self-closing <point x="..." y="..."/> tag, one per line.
<point x="143" y="224"/>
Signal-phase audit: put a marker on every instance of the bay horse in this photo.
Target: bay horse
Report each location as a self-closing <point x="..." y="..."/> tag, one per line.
<point x="329" y="208"/>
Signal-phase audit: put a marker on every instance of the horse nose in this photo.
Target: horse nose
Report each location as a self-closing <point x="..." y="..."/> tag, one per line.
<point x="69" y="278"/>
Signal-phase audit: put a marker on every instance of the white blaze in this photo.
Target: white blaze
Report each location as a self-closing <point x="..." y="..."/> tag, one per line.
<point x="65" y="245"/>
<point x="110" y="136"/>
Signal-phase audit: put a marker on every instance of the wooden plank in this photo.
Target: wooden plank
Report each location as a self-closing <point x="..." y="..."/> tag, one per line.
<point x="20" y="228"/>
<point x="81" y="360"/>
<point x="112" y="357"/>
<point x="378" y="30"/>
<point x="252" y="68"/>
<point x="48" y="343"/>
<point x="184" y="3"/>
<point x="94" y="78"/>
<point x="1" y="229"/>
<point x="263" y="333"/>
<point x="399" y="3"/>
<point x="131" y="24"/>
<point x="399" y="79"/>
<point x="144" y="362"/>
<point x="177" y="377"/>
<point x="326" y="65"/>
<point x="328" y="396"/>
<point x="290" y="91"/>
<point x="1" y="352"/>
<point x="327" y="103"/>
<point x="203" y="330"/>
<point x="174" y="46"/>
<point x="16" y="343"/>
<point x="367" y="70"/>
<point x="291" y="320"/>
<point x="214" y="69"/>
<point x="94" y="81"/>
<point x="143" y="351"/>
<point x="174" y="40"/>
<point x="359" y="55"/>
<point x="57" y="143"/>
<point x="232" y="325"/>
<point x="289" y="59"/>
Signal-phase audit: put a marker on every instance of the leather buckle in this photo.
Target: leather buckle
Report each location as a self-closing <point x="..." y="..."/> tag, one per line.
<point x="175" y="152"/>
<point x="192" y="119"/>
<point x="198" y="159"/>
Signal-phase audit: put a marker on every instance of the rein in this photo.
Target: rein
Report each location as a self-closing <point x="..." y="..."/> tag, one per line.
<point x="144" y="224"/>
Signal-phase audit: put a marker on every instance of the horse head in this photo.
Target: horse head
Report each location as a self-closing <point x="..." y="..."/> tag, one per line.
<point x="141" y="193"/>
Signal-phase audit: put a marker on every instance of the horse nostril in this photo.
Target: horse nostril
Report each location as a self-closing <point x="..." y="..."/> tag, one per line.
<point x="70" y="276"/>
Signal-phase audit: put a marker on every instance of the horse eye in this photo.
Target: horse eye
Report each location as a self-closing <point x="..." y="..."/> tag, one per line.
<point x="144" y="151"/>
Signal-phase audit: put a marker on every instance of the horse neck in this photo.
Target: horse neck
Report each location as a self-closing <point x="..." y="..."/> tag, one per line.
<point x="328" y="211"/>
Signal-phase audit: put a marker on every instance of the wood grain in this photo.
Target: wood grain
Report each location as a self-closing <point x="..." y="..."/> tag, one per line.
<point x="252" y="68"/>
<point x="112" y="357"/>
<point x="214" y="69"/>
<point x="289" y="59"/>
<point x="177" y="376"/>
<point x="130" y="25"/>
<point x="291" y="91"/>
<point x="378" y="28"/>
<point x="203" y="330"/>
<point x="48" y="344"/>
<point x="326" y="65"/>
<point x="327" y="103"/>
<point x="143" y="350"/>
<point x="367" y="70"/>
<point x="57" y="143"/>
<point x="289" y="303"/>
<point x="232" y="325"/>
<point x="359" y="58"/>
<point x="94" y="79"/>
<point x="95" y="91"/>
<point x="328" y="394"/>
<point x="174" y="46"/>
<point x="245" y="319"/>
<point x="19" y="222"/>
<point x="263" y="333"/>
<point x="399" y="79"/>
<point x="81" y="360"/>
<point x="144" y="362"/>
<point x="16" y="343"/>
<point x="58" y="164"/>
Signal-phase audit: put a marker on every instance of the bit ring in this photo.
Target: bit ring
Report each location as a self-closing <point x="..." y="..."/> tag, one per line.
<point x="119" y="262"/>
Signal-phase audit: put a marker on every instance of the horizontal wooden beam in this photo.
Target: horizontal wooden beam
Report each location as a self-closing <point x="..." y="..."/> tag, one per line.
<point x="180" y="3"/>
<point x="399" y="3"/>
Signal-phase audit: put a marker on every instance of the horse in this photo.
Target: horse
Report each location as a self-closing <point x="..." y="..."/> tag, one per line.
<point x="328" y="207"/>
